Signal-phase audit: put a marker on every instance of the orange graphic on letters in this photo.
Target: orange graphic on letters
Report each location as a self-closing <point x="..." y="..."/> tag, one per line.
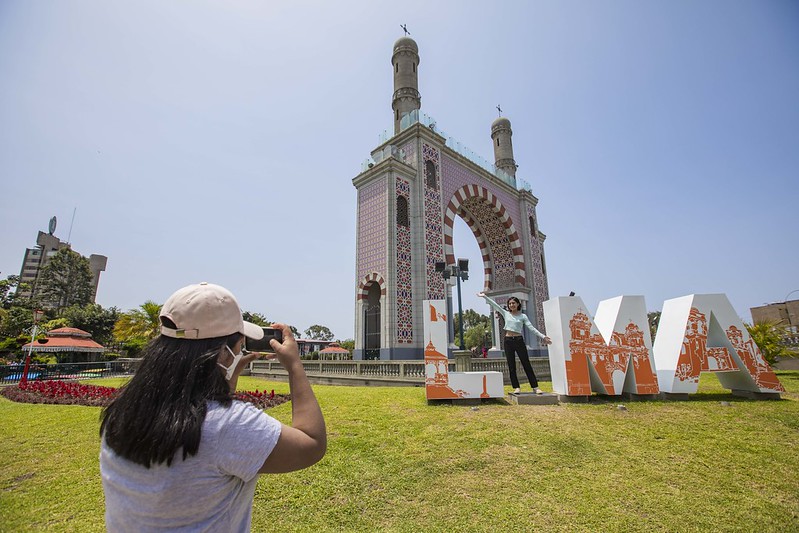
<point x="437" y="383"/>
<point x="607" y="359"/>
<point x="696" y="356"/>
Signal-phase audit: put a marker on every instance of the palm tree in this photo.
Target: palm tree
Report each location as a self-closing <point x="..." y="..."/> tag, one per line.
<point x="142" y="323"/>
<point x="770" y="338"/>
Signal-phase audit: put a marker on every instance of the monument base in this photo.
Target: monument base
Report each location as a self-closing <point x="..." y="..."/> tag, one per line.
<point x="678" y="396"/>
<point x="756" y="395"/>
<point x="573" y="399"/>
<point x="630" y="397"/>
<point x="531" y="398"/>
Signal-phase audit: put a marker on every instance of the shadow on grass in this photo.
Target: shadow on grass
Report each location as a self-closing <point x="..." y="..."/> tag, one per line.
<point x="468" y="402"/>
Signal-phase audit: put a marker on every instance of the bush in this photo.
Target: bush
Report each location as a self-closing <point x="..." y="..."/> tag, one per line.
<point x="11" y="345"/>
<point x="42" y="359"/>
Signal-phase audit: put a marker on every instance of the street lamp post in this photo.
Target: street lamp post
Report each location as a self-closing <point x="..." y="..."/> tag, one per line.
<point x="788" y="312"/>
<point x="37" y="314"/>
<point x="460" y="272"/>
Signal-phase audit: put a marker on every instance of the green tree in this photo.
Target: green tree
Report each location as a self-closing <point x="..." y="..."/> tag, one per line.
<point x="9" y="289"/>
<point x="142" y="323"/>
<point x="93" y="319"/>
<point x="17" y="321"/>
<point x="477" y="336"/>
<point x="261" y="320"/>
<point x="256" y="318"/>
<point x="653" y="317"/>
<point x="319" y="333"/>
<point x="347" y="344"/>
<point x="471" y="318"/>
<point x="770" y="338"/>
<point x="66" y="280"/>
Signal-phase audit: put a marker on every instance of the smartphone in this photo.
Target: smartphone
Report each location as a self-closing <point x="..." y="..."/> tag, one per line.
<point x="262" y="345"/>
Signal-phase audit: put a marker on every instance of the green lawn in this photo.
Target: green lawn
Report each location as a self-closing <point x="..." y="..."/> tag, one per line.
<point x="395" y="463"/>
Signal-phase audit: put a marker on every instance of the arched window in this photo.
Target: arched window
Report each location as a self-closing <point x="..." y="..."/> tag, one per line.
<point x="371" y="310"/>
<point x="533" y="229"/>
<point x="402" y="212"/>
<point x="430" y="174"/>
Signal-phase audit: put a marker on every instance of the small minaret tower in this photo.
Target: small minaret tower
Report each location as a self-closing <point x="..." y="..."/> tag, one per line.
<point x="405" y="61"/>
<point x="503" y="147"/>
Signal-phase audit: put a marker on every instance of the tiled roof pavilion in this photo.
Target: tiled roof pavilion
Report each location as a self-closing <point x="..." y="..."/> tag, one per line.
<point x="66" y="340"/>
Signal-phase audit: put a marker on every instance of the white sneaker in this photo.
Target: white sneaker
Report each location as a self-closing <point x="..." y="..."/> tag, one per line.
<point x="517" y="390"/>
<point x="538" y="391"/>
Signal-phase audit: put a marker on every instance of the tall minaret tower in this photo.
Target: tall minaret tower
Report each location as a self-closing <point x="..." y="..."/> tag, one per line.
<point x="503" y="147"/>
<point x="405" y="61"/>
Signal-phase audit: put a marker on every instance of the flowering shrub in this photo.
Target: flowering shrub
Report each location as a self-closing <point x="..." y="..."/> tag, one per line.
<point x="74" y="393"/>
<point x="262" y="400"/>
<point x="60" y="392"/>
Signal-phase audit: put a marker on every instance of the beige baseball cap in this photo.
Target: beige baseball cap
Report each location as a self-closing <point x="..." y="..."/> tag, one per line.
<point x="206" y="311"/>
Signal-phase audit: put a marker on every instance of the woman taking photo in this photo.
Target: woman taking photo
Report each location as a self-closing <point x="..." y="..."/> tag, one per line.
<point x="177" y="452"/>
<point x="515" y="322"/>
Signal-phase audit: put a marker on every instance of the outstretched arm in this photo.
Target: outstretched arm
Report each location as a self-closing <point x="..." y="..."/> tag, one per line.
<point x="535" y="332"/>
<point x="305" y="441"/>
<point x="491" y="302"/>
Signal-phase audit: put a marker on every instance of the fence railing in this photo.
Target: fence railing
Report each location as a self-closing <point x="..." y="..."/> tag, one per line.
<point x="101" y="369"/>
<point x="395" y="370"/>
<point x="401" y="371"/>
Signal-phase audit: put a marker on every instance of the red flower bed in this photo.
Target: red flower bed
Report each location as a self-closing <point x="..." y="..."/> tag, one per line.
<point x="74" y="393"/>
<point x="262" y="400"/>
<point x="60" y="392"/>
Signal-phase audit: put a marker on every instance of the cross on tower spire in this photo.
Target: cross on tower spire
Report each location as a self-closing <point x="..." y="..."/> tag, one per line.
<point x="499" y="109"/>
<point x="405" y="29"/>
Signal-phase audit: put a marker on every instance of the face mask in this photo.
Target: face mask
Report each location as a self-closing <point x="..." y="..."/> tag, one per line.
<point x="230" y="369"/>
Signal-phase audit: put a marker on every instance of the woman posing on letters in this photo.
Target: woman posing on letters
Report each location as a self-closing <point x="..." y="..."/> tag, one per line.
<point x="515" y="321"/>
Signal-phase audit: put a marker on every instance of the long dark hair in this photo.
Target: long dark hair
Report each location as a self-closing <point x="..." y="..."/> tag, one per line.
<point x="162" y="408"/>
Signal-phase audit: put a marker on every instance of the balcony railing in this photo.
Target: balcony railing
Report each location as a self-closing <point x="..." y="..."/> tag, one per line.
<point x="415" y="116"/>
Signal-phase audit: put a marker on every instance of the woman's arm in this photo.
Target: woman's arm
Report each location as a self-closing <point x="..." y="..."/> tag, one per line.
<point x="534" y="331"/>
<point x="304" y="442"/>
<point x="491" y="302"/>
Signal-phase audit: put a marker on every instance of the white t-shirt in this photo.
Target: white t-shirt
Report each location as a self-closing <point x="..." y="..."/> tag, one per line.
<point x="210" y="491"/>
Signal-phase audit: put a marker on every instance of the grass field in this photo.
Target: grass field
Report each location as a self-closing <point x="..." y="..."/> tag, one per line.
<point x="395" y="463"/>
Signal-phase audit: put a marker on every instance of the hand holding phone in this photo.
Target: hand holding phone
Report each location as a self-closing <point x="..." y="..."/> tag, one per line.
<point x="263" y="345"/>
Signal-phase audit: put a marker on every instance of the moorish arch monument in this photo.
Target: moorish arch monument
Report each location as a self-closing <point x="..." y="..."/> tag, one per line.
<point x="410" y="192"/>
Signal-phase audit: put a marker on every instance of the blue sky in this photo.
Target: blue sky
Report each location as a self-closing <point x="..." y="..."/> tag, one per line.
<point x="217" y="140"/>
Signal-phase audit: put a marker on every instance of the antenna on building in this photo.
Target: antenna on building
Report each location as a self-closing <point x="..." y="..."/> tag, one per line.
<point x="70" y="225"/>
<point x="499" y="110"/>
<point x="405" y="29"/>
<point x="52" y="225"/>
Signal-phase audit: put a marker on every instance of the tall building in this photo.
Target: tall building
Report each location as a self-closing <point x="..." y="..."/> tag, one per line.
<point x="781" y="313"/>
<point x="409" y="193"/>
<point x="784" y="314"/>
<point x="36" y="258"/>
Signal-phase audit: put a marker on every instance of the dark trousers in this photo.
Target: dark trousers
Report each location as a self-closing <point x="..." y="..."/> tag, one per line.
<point x="515" y="345"/>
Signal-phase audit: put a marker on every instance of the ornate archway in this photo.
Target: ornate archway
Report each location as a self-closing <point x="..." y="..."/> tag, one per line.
<point x="496" y="234"/>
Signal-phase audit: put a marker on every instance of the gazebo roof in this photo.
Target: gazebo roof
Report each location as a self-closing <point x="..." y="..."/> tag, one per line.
<point x="334" y="349"/>
<point x="68" y="332"/>
<point x="66" y="340"/>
